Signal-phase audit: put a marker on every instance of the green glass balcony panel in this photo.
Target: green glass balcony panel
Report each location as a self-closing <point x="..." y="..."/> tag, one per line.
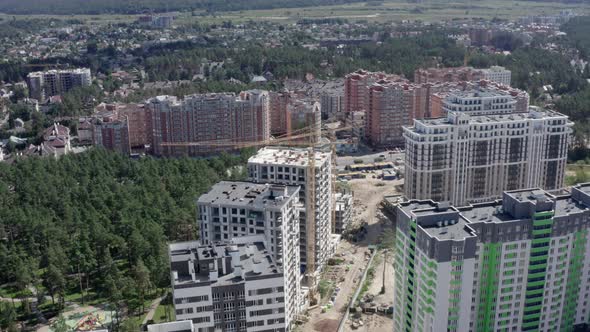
<point x="541" y="231"/>
<point x="542" y="222"/>
<point x="534" y="292"/>
<point x="543" y="214"/>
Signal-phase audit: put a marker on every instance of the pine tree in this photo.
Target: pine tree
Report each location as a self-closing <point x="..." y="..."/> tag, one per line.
<point x="141" y="276"/>
<point x="55" y="283"/>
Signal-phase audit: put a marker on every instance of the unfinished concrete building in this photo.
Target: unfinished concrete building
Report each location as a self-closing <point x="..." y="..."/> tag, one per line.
<point x="233" y="210"/>
<point x="291" y="166"/>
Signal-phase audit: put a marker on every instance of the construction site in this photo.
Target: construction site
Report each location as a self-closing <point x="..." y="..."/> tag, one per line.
<point x="361" y="266"/>
<point x="347" y="275"/>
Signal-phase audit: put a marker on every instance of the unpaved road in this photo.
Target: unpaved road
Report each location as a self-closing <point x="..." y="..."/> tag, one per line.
<point x="378" y="323"/>
<point x="368" y="194"/>
<point x="329" y="320"/>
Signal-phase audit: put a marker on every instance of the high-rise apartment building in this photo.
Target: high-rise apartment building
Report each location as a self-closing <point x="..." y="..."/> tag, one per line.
<point x="357" y="121"/>
<point x="356" y="85"/>
<point x="232" y="210"/>
<point x="332" y="101"/>
<point x="467" y="158"/>
<point x="480" y="36"/>
<point x="290" y="112"/>
<point x="484" y="96"/>
<point x="480" y="102"/>
<point x="447" y="74"/>
<point x="393" y="105"/>
<point x="118" y="127"/>
<point x="111" y="134"/>
<point x="290" y="166"/>
<point x="304" y="115"/>
<point x="156" y="21"/>
<point x="389" y="102"/>
<point x="279" y="116"/>
<point x="496" y="74"/>
<point x="208" y="119"/>
<point x="389" y="108"/>
<point x="138" y="120"/>
<point x="43" y="85"/>
<point x="519" y="264"/>
<point x="235" y="286"/>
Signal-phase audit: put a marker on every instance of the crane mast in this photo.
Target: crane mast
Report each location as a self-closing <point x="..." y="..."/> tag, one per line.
<point x="309" y="137"/>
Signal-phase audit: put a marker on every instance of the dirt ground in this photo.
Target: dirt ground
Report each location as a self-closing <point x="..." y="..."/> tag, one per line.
<point x="374" y="322"/>
<point x="376" y="285"/>
<point x="356" y="258"/>
<point x="368" y="194"/>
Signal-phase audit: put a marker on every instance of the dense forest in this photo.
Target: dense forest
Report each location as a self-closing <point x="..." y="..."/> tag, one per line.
<point x="533" y="67"/>
<point x="97" y="223"/>
<point x="93" y="7"/>
<point x="12" y="28"/>
<point x="578" y="33"/>
<point x="576" y="104"/>
<point x="401" y="56"/>
<point x="183" y="60"/>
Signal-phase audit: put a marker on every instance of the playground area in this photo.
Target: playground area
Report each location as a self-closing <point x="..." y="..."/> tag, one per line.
<point x="86" y="318"/>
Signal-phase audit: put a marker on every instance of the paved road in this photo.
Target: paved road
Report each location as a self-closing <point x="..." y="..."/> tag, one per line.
<point x="8" y="299"/>
<point x="153" y="307"/>
<point x="33" y="302"/>
<point x="343" y="161"/>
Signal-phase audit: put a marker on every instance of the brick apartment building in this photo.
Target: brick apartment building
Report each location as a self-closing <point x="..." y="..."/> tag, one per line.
<point x="390" y="102"/>
<point x="222" y="117"/>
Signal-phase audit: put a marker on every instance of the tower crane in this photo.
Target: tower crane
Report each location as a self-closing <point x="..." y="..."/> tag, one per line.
<point x="309" y="137"/>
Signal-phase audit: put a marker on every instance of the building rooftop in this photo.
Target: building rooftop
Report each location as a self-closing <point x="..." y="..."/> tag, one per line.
<point x="488" y="212"/>
<point x="444" y="222"/>
<point x="448" y="224"/>
<point x="61" y="71"/>
<point x="567" y="205"/>
<point x="221" y="263"/>
<point x="183" y="325"/>
<point x="411" y="206"/>
<point x="455" y="229"/>
<point x="530" y="195"/>
<point x="496" y="69"/>
<point x="248" y="194"/>
<point x="242" y="96"/>
<point x="583" y="187"/>
<point x="534" y="113"/>
<point x="478" y="93"/>
<point x="287" y="156"/>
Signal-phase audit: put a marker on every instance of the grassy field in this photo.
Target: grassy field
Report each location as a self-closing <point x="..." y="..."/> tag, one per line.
<point x="160" y="316"/>
<point x="398" y="10"/>
<point x="87" y="19"/>
<point x="387" y="11"/>
<point x="577" y="173"/>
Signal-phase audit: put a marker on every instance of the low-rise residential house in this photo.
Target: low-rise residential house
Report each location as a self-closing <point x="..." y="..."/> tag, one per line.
<point x="56" y="141"/>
